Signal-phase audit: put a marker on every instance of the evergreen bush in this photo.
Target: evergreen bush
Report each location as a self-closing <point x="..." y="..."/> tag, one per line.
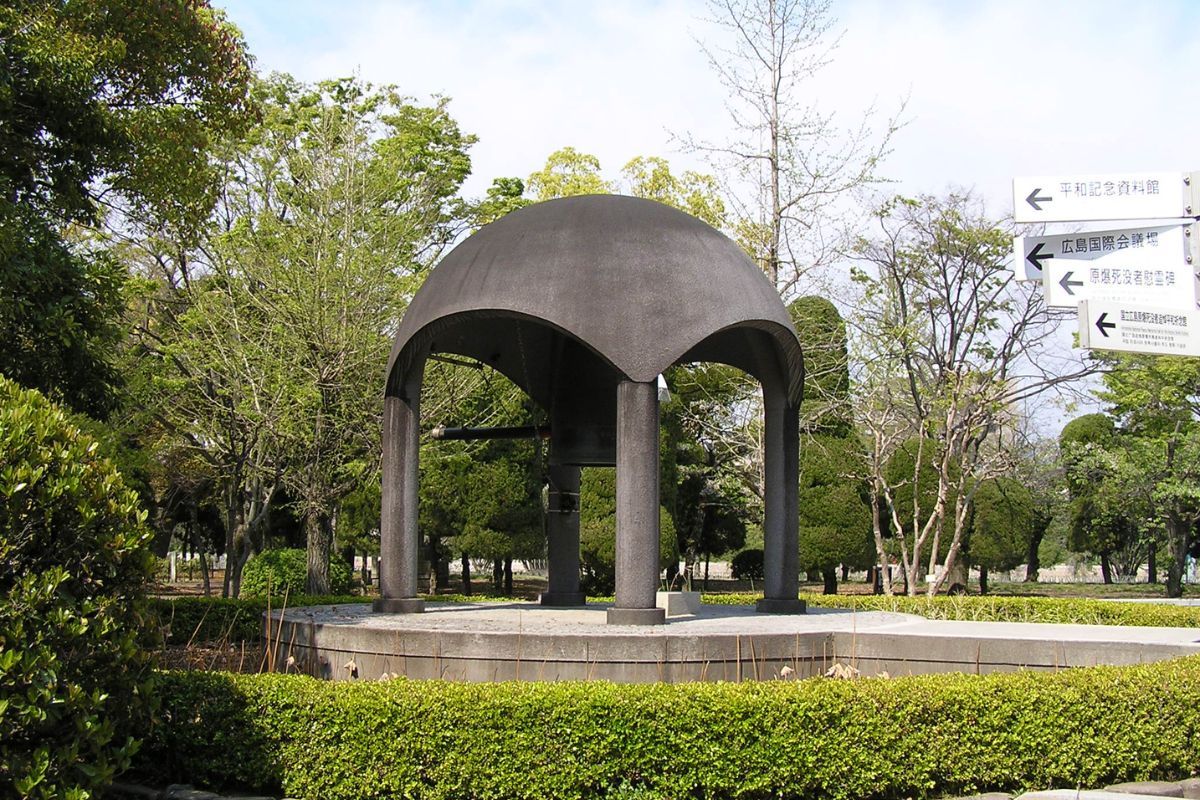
<point x="748" y="565"/>
<point x="917" y="737"/>
<point x="74" y="563"/>
<point x="284" y="570"/>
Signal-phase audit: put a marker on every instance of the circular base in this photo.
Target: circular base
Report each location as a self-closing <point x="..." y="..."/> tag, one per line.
<point x="780" y="605"/>
<point x="636" y="616"/>
<point x="398" y="605"/>
<point x="562" y="599"/>
<point x="527" y="641"/>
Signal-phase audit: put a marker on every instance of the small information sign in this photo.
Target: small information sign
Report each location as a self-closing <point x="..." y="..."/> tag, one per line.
<point x="1139" y="329"/>
<point x="1130" y="195"/>
<point x="1134" y="245"/>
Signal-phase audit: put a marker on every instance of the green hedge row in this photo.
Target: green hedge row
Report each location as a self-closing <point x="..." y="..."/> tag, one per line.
<point x="220" y="619"/>
<point x="208" y="619"/>
<point x="876" y="738"/>
<point x="1014" y="609"/>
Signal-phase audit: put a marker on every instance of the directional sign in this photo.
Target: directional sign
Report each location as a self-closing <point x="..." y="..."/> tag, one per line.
<point x="1139" y="329"/>
<point x="1162" y="275"/>
<point x="1137" y="245"/>
<point x="1131" y="195"/>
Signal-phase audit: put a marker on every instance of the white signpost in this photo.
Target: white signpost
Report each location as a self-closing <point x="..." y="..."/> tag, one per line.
<point x="1139" y="329"/>
<point x="1168" y="286"/>
<point x="1103" y="265"/>
<point x="1143" y="246"/>
<point x="1135" y="289"/>
<point x="1083" y="198"/>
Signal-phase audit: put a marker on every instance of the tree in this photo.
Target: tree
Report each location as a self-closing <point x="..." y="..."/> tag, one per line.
<point x="503" y="196"/>
<point x="108" y="108"/>
<point x="1100" y="518"/>
<point x="1004" y="517"/>
<point x="59" y="313"/>
<point x="1157" y="400"/>
<point x="789" y="164"/>
<point x="949" y="345"/>
<point x="1129" y="489"/>
<point x="822" y="332"/>
<point x="710" y="511"/>
<point x="835" y="515"/>
<point x="272" y="333"/>
<point x="835" y="520"/>
<point x="693" y="192"/>
<point x="567" y="173"/>
<point x="598" y="530"/>
<point x="115" y="97"/>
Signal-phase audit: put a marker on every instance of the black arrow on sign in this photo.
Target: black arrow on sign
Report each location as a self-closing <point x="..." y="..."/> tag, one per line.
<point x="1034" y="199"/>
<point x="1101" y="324"/>
<point x="1067" y="283"/>
<point x="1036" y="256"/>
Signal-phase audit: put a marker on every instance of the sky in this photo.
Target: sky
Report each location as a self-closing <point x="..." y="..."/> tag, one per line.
<point x="990" y="89"/>
<point x="995" y="88"/>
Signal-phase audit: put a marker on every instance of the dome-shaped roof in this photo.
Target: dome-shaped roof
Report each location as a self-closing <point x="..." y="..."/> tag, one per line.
<point x="639" y="283"/>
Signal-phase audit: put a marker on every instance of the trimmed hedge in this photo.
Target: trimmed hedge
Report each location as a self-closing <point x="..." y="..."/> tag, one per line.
<point x="225" y="619"/>
<point x="1074" y="610"/>
<point x="876" y="738"/>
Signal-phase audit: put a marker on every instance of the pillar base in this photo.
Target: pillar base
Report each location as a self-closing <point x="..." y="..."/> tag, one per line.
<point x="637" y="616"/>
<point x="780" y="605"/>
<point x="398" y="605"/>
<point x="562" y="599"/>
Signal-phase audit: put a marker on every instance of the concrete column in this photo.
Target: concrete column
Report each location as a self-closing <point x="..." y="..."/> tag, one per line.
<point x="781" y="518"/>
<point x="562" y="534"/>
<point x="637" y="506"/>
<point x="399" y="545"/>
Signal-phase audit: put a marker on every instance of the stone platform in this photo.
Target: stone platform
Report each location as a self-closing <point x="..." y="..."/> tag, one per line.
<point x="525" y="641"/>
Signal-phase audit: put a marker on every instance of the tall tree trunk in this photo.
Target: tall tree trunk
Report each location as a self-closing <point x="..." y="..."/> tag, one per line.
<point x="319" y="545"/>
<point x="204" y="575"/>
<point x="466" y="575"/>
<point x="508" y="583"/>
<point x="831" y="580"/>
<point x="1152" y="564"/>
<point x="705" y="585"/>
<point x="197" y="547"/>
<point x="1105" y="568"/>
<point x="845" y="572"/>
<point x="229" y="587"/>
<point x="1177" y="548"/>
<point x="1032" y="560"/>
<point x="983" y="579"/>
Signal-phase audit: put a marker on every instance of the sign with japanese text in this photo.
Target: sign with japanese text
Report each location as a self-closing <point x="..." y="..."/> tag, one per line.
<point x="1140" y="245"/>
<point x="1160" y="272"/>
<point x="1080" y="198"/>
<point x="1106" y="325"/>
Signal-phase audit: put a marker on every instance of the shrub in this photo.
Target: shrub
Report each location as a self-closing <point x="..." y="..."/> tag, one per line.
<point x="747" y="565"/>
<point x="184" y="620"/>
<point x="992" y="608"/>
<point x="285" y="570"/>
<point x="74" y="562"/>
<point x="908" y="737"/>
